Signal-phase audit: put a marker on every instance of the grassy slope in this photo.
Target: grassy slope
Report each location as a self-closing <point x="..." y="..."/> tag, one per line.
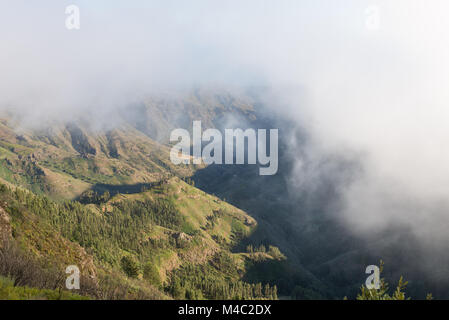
<point x="198" y="208"/>
<point x="10" y="292"/>
<point x="67" y="160"/>
<point x="209" y="227"/>
<point x="63" y="165"/>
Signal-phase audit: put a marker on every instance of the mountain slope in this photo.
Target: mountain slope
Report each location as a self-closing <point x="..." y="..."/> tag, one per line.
<point x="67" y="160"/>
<point x="121" y="169"/>
<point x="139" y="226"/>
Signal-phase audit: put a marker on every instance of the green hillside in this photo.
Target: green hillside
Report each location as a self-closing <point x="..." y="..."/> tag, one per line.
<point x="122" y="171"/>
<point x="65" y="161"/>
<point x="130" y="245"/>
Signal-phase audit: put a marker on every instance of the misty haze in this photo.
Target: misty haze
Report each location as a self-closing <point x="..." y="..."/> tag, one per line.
<point x="91" y="93"/>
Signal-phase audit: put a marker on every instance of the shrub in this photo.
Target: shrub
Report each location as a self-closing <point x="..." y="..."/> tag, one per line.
<point x="151" y="274"/>
<point x="130" y="267"/>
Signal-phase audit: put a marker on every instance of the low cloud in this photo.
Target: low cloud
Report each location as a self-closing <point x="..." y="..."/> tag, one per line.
<point x="377" y="93"/>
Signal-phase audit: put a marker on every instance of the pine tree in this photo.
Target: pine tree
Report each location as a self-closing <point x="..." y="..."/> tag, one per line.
<point x="383" y="292"/>
<point x="130" y="267"/>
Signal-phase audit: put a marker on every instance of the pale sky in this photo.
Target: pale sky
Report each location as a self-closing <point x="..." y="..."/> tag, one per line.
<point x="379" y="89"/>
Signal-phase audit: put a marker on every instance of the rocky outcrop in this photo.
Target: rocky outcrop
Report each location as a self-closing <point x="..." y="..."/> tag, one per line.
<point x="181" y="236"/>
<point x="80" y="141"/>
